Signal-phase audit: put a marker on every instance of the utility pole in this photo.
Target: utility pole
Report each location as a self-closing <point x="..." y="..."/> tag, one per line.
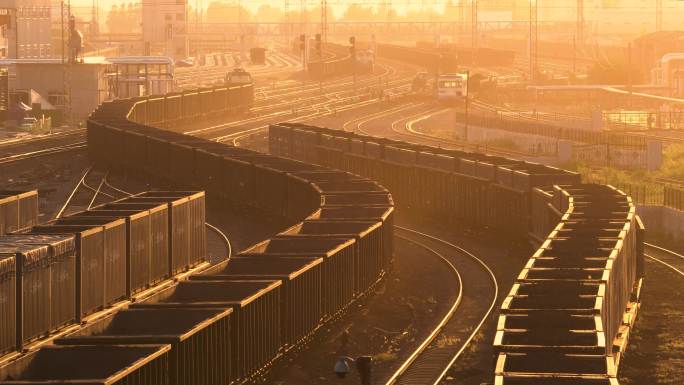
<point x="93" y="20"/>
<point x="629" y="73"/>
<point x="302" y="16"/>
<point x="64" y="65"/>
<point x="388" y="14"/>
<point x="534" y="34"/>
<point x="324" y="20"/>
<point x="461" y="16"/>
<point x="319" y="50"/>
<point x="473" y="9"/>
<point x="70" y="60"/>
<point x="465" y="127"/>
<point x="574" y="56"/>
<point x="286" y="10"/>
<point x="659" y="15"/>
<point x="352" y="53"/>
<point x="580" y="22"/>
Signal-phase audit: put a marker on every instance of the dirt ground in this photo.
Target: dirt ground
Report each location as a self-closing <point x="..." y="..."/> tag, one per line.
<point x="383" y="325"/>
<point x="393" y="321"/>
<point x="656" y="347"/>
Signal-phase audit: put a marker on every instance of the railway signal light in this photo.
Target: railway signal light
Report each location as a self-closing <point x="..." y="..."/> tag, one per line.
<point x="352" y="49"/>
<point x="318" y="44"/>
<point x="302" y="41"/>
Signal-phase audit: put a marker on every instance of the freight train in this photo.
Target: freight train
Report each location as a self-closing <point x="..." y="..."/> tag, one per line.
<point x="61" y="272"/>
<point x="562" y="321"/>
<point x="227" y="323"/>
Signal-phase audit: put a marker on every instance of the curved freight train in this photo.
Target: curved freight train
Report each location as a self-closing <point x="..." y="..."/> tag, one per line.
<point x="227" y="323"/>
<point x="567" y="318"/>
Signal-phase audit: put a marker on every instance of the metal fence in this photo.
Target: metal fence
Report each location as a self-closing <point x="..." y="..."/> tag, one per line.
<point x="646" y="193"/>
<point x="673" y="197"/>
<point x="649" y="193"/>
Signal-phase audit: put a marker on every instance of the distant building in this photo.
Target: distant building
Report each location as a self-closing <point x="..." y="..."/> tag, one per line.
<point x="647" y="50"/>
<point x="669" y="72"/>
<point x="53" y="80"/>
<point x="164" y="26"/>
<point x="26" y="29"/>
<point x="89" y="81"/>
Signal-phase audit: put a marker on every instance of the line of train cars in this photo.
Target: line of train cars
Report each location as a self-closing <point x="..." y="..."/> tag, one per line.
<point x="184" y="108"/>
<point x="18" y="210"/>
<point x="225" y="323"/>
<point x="563" y="314"/>
<point x="342" y="64"/>
<point x="61" y="272"/>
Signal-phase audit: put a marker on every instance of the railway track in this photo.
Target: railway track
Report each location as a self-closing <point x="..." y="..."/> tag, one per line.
<point x="305" y="98"/>
<point x="211" y="74"/>
<point x="106" y="192"/>
<point x="429" y="363"/>
<point x="42" y="138"/>
<point x="668" y="258"/>
<point x="35" y="147"/>
<point x="37" y="153"/>
<point x="402" y="127"/>
<point x="220" y="235"/>
<point x="336" y="96"/>
<point x="91" y="187"/>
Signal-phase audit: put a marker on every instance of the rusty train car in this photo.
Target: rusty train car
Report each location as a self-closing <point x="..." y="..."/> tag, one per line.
<point x="227" y="323"/>
<point x="561" y="319"/>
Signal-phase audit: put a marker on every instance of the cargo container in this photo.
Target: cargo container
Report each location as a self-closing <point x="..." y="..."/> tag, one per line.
<point x="255" y="322"/>
<point x="26" y="210"/>
<point x="9" y="214"/>
<point x="360" y="199"/>
<point x="90" y="264"/>
<point x="365" y="213"/>
<point x="303" y="199"/>
<point x="186" y="224"/>
<point x="301" y="292"/>
<point x="62" y="254"/>
<point x="8" y="303"/>
<point x="114" y="253"/>
<point x="98" y="365"/>
<point x="147" y="239"/>
<point x="523" y="379"/>
<point x="556" y="365"/>
<point x="33" y="290"/>
<point x="199" y="340"/>
<point x="368" y="248"/>
<point x="338" y="266"/>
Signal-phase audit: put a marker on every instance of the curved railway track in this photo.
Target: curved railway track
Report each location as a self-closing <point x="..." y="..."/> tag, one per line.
<point x="77" y="200"/>
<point x="668" y="258"/>
<point x="431" y="360"/>
<point x="219" y="233"/>
<point x="402" y="127"/>
<point x="43" y="152"/>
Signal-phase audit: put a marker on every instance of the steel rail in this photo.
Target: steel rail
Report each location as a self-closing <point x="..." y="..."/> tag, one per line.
<point x="442" y="322"/>
<point x="73" y="192"/>
<point x="43" y="152"/>
<point x="457" y="355"/>
<point x="211" y="227"/>
<point x="665" y="251"/>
